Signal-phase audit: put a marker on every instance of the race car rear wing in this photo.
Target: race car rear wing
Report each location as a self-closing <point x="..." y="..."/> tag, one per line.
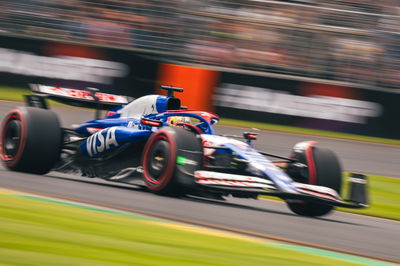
<point x="89" y="98"/>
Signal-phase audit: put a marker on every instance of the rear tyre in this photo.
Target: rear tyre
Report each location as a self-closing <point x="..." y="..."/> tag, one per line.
<point x="162" y="159"/>
<point x="31" y="140"/>
<point x="323" y="168"/>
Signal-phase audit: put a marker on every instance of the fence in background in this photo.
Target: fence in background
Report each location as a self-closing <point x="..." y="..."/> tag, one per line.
<point x="346" y="40"/>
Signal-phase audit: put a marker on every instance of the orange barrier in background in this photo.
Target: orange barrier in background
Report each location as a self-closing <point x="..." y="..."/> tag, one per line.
<point x="198" y="84"/>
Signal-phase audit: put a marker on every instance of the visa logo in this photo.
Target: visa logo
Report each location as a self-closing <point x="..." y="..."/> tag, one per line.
<point x="101" y="141"/>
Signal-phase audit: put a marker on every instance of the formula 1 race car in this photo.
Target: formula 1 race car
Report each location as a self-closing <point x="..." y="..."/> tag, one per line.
<point x="172" y="150"/>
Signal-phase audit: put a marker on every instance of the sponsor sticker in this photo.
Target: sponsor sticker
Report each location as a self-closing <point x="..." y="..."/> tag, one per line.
<point x="229" y="177"/>
<point x="314" y="188"/>
<point x="81" y="94"/>
<point x="185" y="161"/>
<point x="101" y="141"/>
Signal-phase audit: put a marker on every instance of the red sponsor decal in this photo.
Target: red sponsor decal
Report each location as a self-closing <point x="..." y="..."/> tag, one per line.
<point x="81" y="94"/>
<point x="229" y="183"/>
<point x="321" y="195"/>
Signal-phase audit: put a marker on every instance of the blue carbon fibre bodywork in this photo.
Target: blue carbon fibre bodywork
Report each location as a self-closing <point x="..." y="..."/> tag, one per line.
<point x="161" y="104"/>
<point x="260" y="164"/>
<point x="112" y="138"/>
<point x="83" y="129"/>
<point x="113" y="132"/>
<point x="128" y="130"/>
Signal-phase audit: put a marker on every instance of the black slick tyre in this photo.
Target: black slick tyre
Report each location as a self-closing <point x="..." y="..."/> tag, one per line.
<point x="323" y="168"/>
<point x="31" y="140"/>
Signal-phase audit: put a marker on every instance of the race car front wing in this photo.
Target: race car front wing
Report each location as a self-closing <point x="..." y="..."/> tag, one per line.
<point x="255" y="186"/>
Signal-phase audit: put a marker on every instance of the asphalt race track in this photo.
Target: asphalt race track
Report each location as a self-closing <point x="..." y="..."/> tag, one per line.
<point x="369" y="236"/>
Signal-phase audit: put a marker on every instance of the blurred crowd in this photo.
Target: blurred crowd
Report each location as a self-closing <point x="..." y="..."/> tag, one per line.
<point x="346" y="40"/>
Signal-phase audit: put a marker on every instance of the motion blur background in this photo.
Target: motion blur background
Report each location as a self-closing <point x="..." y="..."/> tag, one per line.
<point x="350" y="40"/>
<point x="347" y="43"/>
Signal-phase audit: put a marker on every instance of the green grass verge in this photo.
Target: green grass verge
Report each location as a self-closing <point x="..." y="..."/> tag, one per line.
<point x="34" y="232"/>
<point x="13" y="94"/>
<point x="384" y="197"/>
<point x="16" y="94"/>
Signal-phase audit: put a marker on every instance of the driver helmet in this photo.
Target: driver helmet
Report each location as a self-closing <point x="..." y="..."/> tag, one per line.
<point x="175" y="120"/>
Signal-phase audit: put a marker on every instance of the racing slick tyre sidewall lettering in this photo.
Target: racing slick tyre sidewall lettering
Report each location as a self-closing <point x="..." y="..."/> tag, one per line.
<point x="31" y="140"/>
<point x="323" y="169"/>
<point x="170" y="177"/>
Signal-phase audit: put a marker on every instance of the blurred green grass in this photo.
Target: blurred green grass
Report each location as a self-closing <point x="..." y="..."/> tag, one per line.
<point x="34" y="232"/>
<point x="384" y="197"/>
<point x="13" y="94"/>
<point x="16" y="94"/>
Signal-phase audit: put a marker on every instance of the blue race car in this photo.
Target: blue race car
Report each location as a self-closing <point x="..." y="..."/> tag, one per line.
<point x="155" y="141"/>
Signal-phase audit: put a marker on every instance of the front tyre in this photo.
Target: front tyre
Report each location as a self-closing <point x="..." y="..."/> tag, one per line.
<point x="163" y="155"/>
<point x="31" y="140"/>
<point x="323" y="168"/>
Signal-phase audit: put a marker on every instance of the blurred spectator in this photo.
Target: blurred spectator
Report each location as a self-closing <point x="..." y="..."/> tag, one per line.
<point x="390" y="60"/>
<point x="347" y="40"/>
<point x="355" y="58"/>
